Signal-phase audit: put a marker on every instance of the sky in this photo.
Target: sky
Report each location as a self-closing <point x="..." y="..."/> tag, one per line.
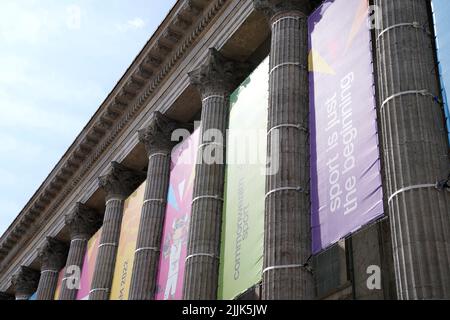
<point x="59" y="59"/>
<point x="442" y="9"/>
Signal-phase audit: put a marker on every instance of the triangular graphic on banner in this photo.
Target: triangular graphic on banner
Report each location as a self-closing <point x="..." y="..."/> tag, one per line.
<point x="360" y="18"/>
<point x="172" y="200"/>
<point x="317" y="64"/>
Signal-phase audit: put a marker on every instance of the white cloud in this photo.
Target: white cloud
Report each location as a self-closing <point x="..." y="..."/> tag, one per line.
<point x="134" y="24"/>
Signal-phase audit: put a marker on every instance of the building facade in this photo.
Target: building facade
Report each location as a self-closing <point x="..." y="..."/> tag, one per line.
<point x="111" y="196"/>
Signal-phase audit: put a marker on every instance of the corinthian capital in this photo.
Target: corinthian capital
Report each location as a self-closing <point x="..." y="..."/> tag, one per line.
<point x="273" y="7"/>
<point x="53" y="254"/>
<point x="218" y="75"/>
<point x="120" y="181"/>
<point x="25" y="281"/>
<point x="157" y="136"/>
<point x="83" y="221"/>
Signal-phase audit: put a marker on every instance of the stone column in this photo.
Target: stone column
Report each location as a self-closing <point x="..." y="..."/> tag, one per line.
<point x="25" y="283"/>
<point x="157" y="138"/>
<point x="119" y="183"/>
<point x="215" y="80"/>
<point x="415" y="149"/>
<point x="82" y="222"/>
<point x="53" y="255"/>
<point x="287" y="247"/>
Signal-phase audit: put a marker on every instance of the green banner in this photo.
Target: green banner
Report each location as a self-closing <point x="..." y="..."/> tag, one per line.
<point x="243" y="219"/>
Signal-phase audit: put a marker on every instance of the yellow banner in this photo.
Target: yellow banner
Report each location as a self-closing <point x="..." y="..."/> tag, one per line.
<point x="58" y="286"/>
<point x="127" y="245"/>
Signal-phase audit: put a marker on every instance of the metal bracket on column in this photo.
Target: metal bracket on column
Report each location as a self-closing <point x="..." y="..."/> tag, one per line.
<point x="216" y="197"/>
<point x="162" y="201"/>
<point x="419" y="186"/>
<point x="444" y="184"/>
<point x="296" y="64"/>
<point x="288" y="125"/>
<point x="409" y="92"/>
<point x="209" y="255"/>
<point x="299" y="189"/>
<point x="148" y="249"/>
<point x="107" y="245"/>
<point x="414" y="24"/>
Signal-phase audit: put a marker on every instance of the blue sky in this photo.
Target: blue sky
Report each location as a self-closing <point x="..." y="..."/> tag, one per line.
<point x="442" y="9"/>
<point x="59" y="59"/>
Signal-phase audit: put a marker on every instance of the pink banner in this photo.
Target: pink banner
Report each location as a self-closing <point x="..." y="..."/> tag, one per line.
<point x="87" y="272"/>
<point x="176" y="226"/>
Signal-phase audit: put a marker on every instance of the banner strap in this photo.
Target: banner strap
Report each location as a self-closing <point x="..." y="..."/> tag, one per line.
<point x="417" y="92"/>
<point x="213" y="96"/>
<point x="419" y="186"/>
<point x="49" y="271"/>
<point x="147" y="249"/>
<point x="162" y="201"/>
<point x="99" y="289"/>
<point x="289" y="125"/>
<point x="207" y="197"/>
<point x="414" y="24"/>
<point x="159" y="154"/>
<point x="297" y="64"/>
<point x="209" y="255"/>
<point x="299" y="189"/>
<point x="288" y="266"/>
<point x="107" y="245"/>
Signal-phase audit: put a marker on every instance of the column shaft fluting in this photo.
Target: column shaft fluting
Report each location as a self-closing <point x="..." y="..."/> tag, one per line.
<point x="119" y="183"/>
<point x="47" y="285"/>
<point x="215" y="80"/>
<point x="157" y="138"/>
<point x="415" y="149"/>
<point x="75" y="259"/>
<point x="107" y="250"/>
<point x="287" y="231"/>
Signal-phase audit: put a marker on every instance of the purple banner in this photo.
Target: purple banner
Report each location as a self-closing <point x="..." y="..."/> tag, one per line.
<point x="346" y="186"/>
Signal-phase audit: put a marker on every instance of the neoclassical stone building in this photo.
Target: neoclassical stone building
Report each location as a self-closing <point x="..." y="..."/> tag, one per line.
<point x="199" y="55"/>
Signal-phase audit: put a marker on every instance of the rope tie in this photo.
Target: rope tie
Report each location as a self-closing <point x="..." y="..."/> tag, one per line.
<point x="415" y="25"/>
<point x="216" y="197"/>
<point x="299" y="189"/>
<point x="410" y="92"/>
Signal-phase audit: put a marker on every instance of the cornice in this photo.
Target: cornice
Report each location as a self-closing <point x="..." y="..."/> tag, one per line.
<point x="177" y="33"/>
